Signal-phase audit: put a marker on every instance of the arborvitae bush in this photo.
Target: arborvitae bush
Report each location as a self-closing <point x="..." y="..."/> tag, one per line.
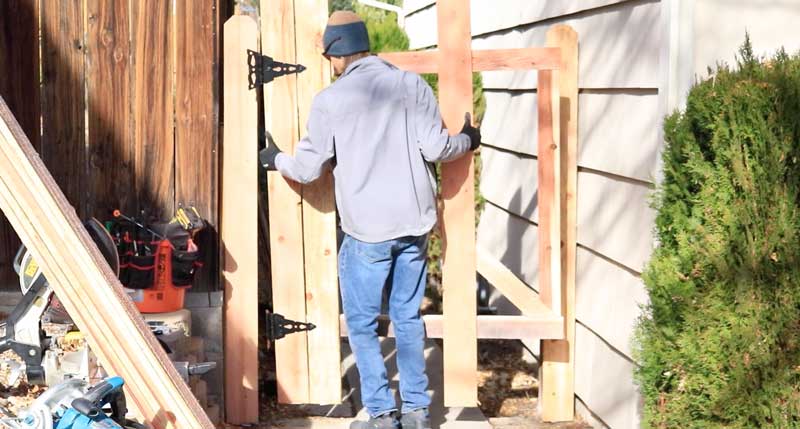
<point x="719" y="345"/>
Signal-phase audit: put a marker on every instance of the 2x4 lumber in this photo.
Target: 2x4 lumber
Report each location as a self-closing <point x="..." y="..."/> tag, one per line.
<point x="153" y="131"/>
<point x="285" y="202"/>
<point x="546" y="325"/>
<point x="89" y="290"/>
<point x="458" y="213"/>
<point x="417" y="62"/>
<point x="239" y="224"/>
<point x="549" y="167"/>
<point x="521" y="295"/>
<point x="557" y="392"/>
<point x="109" y="119"/>
<point x="319" y="219"/>
<point x="482" y="59"/>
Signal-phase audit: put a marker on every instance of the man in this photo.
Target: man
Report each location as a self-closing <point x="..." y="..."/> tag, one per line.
<point x="380" y="129"/>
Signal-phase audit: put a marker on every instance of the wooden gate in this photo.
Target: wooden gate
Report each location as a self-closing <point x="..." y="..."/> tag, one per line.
<point x="302" y="218"/>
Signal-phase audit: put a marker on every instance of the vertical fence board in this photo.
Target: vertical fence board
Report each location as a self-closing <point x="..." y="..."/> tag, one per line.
<point x="319" y="219"/>
<point x="19" y="86"/>
<point x="153" y="107"/>
<point x="110" y="152"/>
<point x="557" y="391"/>
<point x="196" y="109"/>
<point x="458" y="191"/>
<point x="239" y="226"/>
<point x="63" y="98"/>
<point x="285" y="202"/>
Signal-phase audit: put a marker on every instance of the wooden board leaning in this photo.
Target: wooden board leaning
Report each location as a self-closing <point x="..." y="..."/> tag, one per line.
<point x="89" y="290"/>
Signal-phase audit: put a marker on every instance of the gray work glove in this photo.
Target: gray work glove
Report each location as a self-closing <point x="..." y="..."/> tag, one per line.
<point x="267" y="155"/>
<point x="473" y="133"/>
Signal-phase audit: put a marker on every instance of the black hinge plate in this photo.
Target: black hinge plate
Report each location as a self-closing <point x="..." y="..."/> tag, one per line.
<point x="264" y="69"/>
<point x="279" y="326"/>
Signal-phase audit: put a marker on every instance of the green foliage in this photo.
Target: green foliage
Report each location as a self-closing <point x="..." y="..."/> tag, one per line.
<point x="719" y="346"/>
<point x="335" y="5"/>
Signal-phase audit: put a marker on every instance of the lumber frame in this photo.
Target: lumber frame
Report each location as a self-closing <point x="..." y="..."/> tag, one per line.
<point x="482" y="59"/>
<point x="544" y="325"/>
<point x="557" y="392"/>
<point x="89" y="290"/>
<point x="555" y="297"/>
<point x="239" y="211"/>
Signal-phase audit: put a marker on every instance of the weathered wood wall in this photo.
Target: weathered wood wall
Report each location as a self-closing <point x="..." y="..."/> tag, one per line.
<point x="123" y="109"/>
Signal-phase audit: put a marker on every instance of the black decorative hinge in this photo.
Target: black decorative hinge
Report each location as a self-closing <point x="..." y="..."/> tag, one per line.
<point x="279" y="326"/>
<point x="264" y="69"/>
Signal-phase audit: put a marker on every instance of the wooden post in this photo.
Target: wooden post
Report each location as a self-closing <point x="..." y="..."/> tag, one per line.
<point x="549" y="166"/>
<point x="557" y="391"/>
<point x="458" y="214"/>
<point x="286" y="205"/>
<point x="319" y="219"/>
<point x="239" y="224"/>
<point x="89" y="290"/>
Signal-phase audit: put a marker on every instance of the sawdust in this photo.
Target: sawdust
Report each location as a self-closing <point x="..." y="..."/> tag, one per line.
<point x="507" y="384"/>
<point x="5" y="369"/>
<point x="20" y="397"/>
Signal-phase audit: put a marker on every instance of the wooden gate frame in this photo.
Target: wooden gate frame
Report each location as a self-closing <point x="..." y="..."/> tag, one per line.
<point x="548" y="315"/>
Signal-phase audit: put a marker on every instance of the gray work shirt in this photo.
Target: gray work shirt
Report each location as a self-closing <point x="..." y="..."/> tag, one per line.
<point x="380" y="128"/>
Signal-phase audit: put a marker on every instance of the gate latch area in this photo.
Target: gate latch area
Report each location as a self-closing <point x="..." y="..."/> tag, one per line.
<point x="264" y="69"/>
<point x="279" y="326"/>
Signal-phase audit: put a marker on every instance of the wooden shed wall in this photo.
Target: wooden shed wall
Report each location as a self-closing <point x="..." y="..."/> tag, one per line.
<point x="120" y="97"/>
<point x="619" y="118"/>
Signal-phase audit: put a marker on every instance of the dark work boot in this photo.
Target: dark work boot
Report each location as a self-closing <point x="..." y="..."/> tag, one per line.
<point x="417" y="419"/>
<point x="386" y="421"/>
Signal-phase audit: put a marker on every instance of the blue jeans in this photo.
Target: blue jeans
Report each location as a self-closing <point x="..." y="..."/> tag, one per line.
<point x="365" y="269"/>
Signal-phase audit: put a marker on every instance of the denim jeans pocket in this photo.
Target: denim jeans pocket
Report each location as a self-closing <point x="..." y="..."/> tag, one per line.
<point x="374" y="252"/>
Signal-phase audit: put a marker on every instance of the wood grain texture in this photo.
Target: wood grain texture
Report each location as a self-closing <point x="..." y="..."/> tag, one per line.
<point x="549" y="166"/>
<point x="482" y="60"/>
<point x="544" y="325"/>
<point x="87" y="287"/>
<point x="63" y="99"/>
<point x="153" y="106"/>
<point x="458" y="213"/>
<point x="515" y="59"/>
<point x="285" y="202"/>
<point x="239" y="225"/>
<point x="557" y="394"/>
<point x="19" y="64"/>
<point x="417" y="62"/>
<point x="195" y="104"/>
<point x="110" y="149"/>
<point x="197" y="135"/>
<point x="319" y="219"/>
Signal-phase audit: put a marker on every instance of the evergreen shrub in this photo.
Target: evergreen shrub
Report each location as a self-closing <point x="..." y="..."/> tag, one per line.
<point x="719" y="345"/>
